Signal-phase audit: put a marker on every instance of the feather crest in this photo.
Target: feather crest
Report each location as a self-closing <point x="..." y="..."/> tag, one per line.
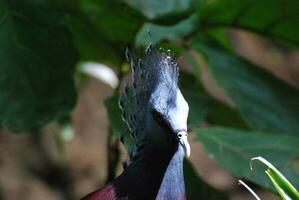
<point x="154" y="68"/>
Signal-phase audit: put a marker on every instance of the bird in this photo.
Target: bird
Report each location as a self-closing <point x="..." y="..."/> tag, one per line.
<point x="155" y="113"/>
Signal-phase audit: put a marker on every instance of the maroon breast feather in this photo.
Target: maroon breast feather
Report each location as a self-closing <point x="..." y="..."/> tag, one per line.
<point x="106" y="193"/>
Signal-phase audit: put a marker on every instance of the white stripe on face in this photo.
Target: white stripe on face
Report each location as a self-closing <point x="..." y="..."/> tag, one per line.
<point x="179" y="114"/>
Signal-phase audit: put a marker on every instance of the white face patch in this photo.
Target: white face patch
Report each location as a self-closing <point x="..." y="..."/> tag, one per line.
<point x="179" y="114"/>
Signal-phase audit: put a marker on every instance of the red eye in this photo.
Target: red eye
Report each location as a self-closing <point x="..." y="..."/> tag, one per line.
<point x="158" y="117"/>
<point x="161" y="120"/>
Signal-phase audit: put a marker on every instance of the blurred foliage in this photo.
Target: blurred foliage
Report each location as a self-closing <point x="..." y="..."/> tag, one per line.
<point x="41" y="40"/>
<point x="37" y="61"/>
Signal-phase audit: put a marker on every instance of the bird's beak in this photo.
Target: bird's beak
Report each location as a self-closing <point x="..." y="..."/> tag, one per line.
<point x="182" y="137"/>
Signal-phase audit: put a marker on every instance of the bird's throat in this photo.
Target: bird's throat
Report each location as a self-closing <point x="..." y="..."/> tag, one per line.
<point x="155" y="174"/>
<point x="172" y="186"/>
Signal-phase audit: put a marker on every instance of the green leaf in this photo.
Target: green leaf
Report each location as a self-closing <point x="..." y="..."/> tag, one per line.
<point x="276" y="19"/>
<point x="264" y="102"/>
<point x="219" y="36"/>
<point x="196" y="188"/>
<point x="215" y="37"/>
<point x="152" y="33"/>
<point x="233" y="149"/>
<point x="163" y="8"/>
<point x="37" y="61"/>
<point x="282" y="185"/>
<point x="90" y="44"/>
<point x="281" y="193"/>
<point x="102" y="29"/>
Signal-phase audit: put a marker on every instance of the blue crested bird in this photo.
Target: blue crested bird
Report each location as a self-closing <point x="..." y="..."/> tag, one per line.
<point x="155" y="112"/>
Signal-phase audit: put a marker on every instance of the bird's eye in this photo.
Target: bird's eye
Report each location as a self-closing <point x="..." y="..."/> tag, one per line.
<point x="158" y="117"/>
<point x="161" y="120"/>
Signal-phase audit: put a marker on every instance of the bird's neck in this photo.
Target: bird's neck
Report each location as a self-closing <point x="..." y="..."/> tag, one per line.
<point x="156" y="174"/>
<point x="173" y="186"/>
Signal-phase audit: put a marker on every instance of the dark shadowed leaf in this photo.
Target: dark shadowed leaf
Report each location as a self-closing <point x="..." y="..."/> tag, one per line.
<point x="276" y="19"/>
<point x="265" y="102"/>
<point x="196" y="188"/>
<point x="37" y="61"/>
<point x="222" y="115"/>
<point x="116" y="22"/>
<point x="102" y="29"/>
<point x="233" y="149"/>
<point x="90" y="44"/>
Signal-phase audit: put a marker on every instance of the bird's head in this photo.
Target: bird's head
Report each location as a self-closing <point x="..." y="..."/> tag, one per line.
<point x="157" y="110"/>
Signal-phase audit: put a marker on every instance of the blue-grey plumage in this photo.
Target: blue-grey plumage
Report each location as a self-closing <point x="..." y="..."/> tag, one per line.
<point x="155" y="112"/>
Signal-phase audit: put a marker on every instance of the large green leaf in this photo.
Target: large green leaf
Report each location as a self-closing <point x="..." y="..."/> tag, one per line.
<point x="37" y="61"/>
<point x="265" y="102"/>
<point x="163" y="8"/>
<point x="196" y="188"/>
<point x="277" y="19"/>
<point x="152" y="33"/>
<point x="233" y="149"/>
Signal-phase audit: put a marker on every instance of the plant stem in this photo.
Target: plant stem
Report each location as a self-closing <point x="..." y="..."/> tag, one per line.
<point x="113" y="153"/>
